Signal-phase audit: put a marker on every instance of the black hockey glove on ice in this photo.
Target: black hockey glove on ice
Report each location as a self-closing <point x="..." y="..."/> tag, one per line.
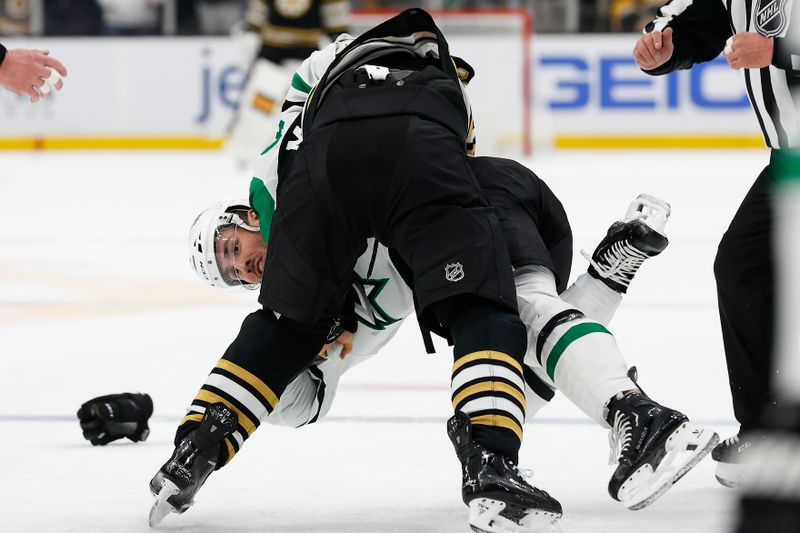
<point x="108" y="418"/>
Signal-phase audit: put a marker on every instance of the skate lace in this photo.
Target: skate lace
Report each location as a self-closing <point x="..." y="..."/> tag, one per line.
<point x="731" y="441"/>
<point x="619" y="437"/>
<point x="619" y="263"/>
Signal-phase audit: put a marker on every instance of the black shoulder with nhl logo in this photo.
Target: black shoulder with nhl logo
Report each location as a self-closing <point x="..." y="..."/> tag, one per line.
<point x="107" y="418"/>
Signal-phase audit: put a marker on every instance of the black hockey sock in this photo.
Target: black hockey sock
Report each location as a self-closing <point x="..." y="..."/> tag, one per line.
<point x="487" y="385"/>
<point x="264" y="358"/>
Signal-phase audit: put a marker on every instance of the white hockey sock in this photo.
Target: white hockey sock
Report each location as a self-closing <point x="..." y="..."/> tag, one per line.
<point x="577" y="355"/>
<point x="593" y="297"/>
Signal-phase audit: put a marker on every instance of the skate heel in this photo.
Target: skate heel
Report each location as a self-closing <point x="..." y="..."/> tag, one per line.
<point x="683" y="449"/>
<point x="652" y="210"/>
<point x="487" y="515"/>
<point x="730" y="475"/>
<point x="161" y="506"/>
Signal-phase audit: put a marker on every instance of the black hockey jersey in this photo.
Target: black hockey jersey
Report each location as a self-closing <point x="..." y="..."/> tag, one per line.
<point x="701" y="28"/>
<point x="297" y="23"/>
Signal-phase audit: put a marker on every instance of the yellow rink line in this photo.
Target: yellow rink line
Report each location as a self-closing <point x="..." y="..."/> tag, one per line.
<point x="656" y="141"/>
<point x="202" y="143"/>
<point x="109" y="143"/>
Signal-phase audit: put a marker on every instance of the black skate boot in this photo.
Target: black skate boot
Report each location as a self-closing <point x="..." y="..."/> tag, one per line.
<point x="193" y="460"/>
<point x="498" y="495"/>
<point x="729" y="455"/>
<point x="654" y="447"/>
<point x="630" y="242"/>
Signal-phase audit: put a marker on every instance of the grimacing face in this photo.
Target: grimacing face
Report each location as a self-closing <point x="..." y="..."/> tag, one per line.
<point x="241" y="254"/>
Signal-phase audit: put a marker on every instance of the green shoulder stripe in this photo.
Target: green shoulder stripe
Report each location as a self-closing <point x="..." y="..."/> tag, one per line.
<point x="264" y="204"/>
<point x="300" y="84"/>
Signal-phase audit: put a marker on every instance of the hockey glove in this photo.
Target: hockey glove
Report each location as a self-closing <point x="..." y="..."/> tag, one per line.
<point x="108" y="418"/>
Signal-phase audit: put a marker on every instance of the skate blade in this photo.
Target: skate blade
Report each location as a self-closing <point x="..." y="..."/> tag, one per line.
<point x="485" y="517"/>
<point x="729" y="475"/>
<point x="161" y="507"/>
<point x="686" y="447"/>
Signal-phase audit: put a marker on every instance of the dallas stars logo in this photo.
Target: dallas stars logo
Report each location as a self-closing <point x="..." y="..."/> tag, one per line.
<point x="367" y="309"/>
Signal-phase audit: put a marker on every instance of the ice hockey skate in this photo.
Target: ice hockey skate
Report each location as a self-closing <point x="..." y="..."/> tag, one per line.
<point x="177" y="482"/>
<point x="499" y="497"/>
<point x="629" y="242"/>
<point x="653" y="446"/>
<point x="729" y="455"/>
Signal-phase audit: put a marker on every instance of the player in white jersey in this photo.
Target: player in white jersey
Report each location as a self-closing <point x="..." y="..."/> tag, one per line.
<point x="569" y="347"/>
<point x="388" y="164"/>
<point x="655" y="445"/>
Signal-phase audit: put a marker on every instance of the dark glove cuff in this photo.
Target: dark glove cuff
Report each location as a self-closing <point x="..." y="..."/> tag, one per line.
<point x="142" y="429"/>
<point x="2" y="53"/>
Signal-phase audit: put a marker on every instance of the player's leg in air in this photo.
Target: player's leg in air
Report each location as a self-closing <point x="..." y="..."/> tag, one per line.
<point x="569" y="347"/>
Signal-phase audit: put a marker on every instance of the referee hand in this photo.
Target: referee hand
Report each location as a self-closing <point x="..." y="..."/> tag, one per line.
<point x="31" y="72"/>
<point x="653" y="49"/>
<point x="749" y="50"/>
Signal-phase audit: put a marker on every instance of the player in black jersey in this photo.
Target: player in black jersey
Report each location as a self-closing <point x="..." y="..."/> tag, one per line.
<point x="757" y="37"/>
<point x="381" y="152"/>
<point x="292" y="30"/>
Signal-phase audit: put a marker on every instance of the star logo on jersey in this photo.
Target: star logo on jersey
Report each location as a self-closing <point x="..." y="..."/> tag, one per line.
<point x="770" y="17"/>
<point x="367" y="309"/>
<point x="454" y="272"/>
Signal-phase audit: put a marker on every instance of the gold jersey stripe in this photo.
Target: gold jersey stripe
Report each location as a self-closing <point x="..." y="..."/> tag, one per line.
<point x="498" y="421"/>
<point x="244" y="421"/>
<point x="252" y="379"/>
<point x="485" y="386"/>
<point x="488" y="355"/>
<point x="191" y="417"/>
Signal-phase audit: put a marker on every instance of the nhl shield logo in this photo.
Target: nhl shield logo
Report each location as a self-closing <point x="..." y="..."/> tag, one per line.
<point x="770" y="17"/>
<point x="454" y="272"/>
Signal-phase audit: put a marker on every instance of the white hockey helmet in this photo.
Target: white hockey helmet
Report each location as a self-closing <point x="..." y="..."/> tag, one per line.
<point x="204" y="234"/>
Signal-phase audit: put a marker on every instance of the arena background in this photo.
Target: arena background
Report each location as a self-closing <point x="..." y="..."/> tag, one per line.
<point x="99" y="182"/>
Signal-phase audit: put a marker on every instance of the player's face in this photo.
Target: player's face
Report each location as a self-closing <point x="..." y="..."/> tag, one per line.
<point x="241" y="254"/>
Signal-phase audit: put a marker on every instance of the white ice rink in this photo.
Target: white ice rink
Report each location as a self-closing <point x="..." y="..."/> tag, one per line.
<point x="96" y="297"/>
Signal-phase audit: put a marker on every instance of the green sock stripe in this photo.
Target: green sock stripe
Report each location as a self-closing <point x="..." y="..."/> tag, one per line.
<point x="574" y="333"/>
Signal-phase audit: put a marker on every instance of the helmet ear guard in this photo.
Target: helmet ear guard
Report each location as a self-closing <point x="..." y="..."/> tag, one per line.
<point x="202" y="239"/>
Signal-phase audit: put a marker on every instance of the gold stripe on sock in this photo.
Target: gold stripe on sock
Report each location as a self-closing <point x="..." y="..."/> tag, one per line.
<point x="498" y="421"/>
<point x="489" y="356"/>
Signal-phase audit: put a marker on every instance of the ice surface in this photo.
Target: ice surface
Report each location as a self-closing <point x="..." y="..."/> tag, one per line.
<point x="96" y="297"/>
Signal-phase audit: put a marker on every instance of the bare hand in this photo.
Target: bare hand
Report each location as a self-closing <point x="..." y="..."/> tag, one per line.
<point x="750" y="50"/>
<point x="345" y="339"/>
<point x="653" y="49"/>
<point x="25" y="71"/>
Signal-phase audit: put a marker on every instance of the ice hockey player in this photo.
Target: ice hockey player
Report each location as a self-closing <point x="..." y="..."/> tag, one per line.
<point x="381" y="152"/>
<point x="755" y="37"/>
<point x="277" y="37"/>
<point x="540" y="244"/>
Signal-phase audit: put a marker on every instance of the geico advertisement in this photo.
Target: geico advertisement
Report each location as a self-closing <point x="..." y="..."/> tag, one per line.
<point x="137" y="87"/>
<point x="591" y="85"/>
